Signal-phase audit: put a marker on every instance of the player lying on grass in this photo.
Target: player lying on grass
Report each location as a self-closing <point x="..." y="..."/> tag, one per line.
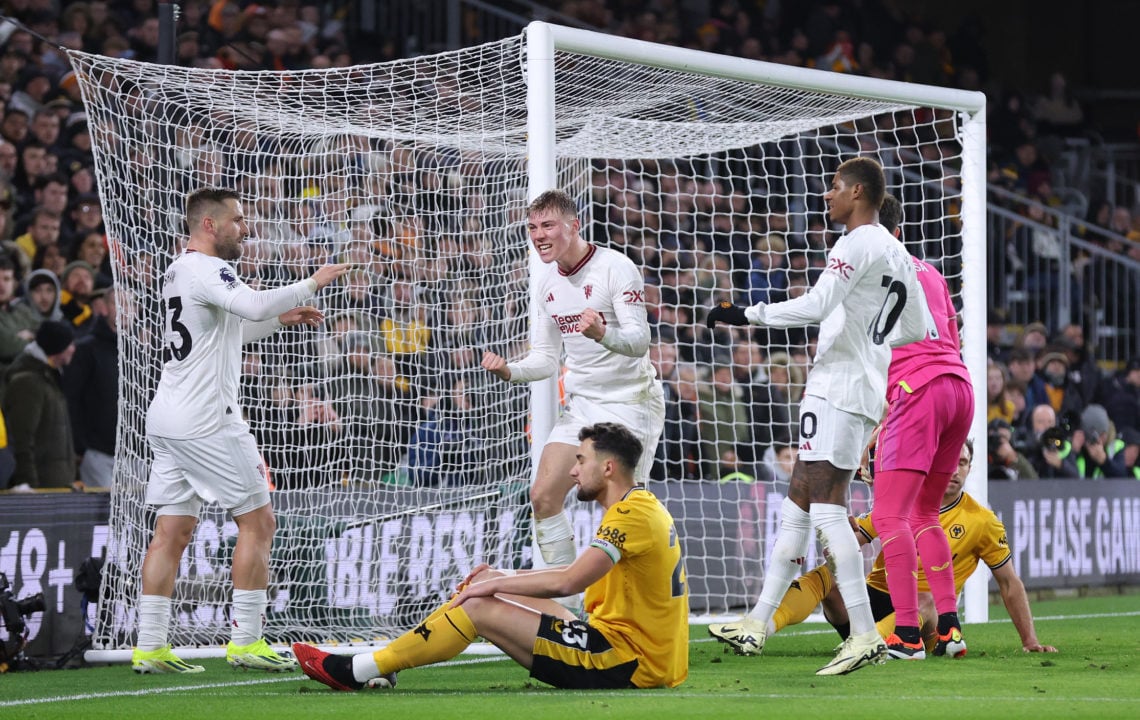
<point x="632" y="573"/>
<point x="975" y="535"/>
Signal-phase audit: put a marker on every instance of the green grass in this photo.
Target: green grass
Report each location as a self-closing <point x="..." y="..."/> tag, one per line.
<point x="1096" y="675"/>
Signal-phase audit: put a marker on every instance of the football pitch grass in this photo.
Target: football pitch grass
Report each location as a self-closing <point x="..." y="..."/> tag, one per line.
<point x="1096" y="675"/>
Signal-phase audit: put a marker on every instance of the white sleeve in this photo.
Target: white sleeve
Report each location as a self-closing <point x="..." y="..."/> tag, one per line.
<point x="628" y="299"/>
<point x="252" y="331"/>
<point x="845" y="264"/>
<point x="224" y="290"/>
<point x="809" y="309"/>
<point x="544" y="358"/>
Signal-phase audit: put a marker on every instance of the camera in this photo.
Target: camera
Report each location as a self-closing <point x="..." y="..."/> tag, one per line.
<point x="13" y="612"/>
<point x="1053" y="438"/>
<point x="994" y="440"/>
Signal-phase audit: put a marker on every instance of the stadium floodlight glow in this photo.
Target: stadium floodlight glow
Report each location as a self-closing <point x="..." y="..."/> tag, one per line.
<point x="420" y="171"/>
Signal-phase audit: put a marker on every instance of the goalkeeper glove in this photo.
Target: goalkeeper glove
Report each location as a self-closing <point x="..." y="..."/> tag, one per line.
<point x="726" y="313"/>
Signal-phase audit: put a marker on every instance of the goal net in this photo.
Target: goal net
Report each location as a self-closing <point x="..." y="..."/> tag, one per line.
<point x="397" y="463"/>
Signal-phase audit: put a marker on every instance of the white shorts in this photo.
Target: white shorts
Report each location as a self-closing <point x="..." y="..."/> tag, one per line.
<point x="828" y="433"/>
<point x="225" y="468"/>
<point x="645" y="419"/>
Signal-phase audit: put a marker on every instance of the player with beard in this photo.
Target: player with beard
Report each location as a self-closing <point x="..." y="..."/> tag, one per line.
<point x="203" y="449"/>
<point x="633" y="575"/>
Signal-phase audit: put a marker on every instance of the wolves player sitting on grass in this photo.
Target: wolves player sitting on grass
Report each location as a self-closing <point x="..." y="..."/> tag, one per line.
<point x="976" y="535"/>
<point x="637" y="634"/>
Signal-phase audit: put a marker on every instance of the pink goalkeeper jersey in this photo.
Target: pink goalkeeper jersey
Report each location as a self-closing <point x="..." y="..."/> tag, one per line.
<point x="941" y="352"/>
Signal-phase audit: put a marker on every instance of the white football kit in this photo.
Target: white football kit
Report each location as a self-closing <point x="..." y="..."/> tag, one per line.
<point x="867" y="301"/>
<point x="607" y="381"/>
<point x="209" y="314"/>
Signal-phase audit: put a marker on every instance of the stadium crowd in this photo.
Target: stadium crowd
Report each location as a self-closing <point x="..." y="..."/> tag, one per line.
<point x="1055" y="409"/>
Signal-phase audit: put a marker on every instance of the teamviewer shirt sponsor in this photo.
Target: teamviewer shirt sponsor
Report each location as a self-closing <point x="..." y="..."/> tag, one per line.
<point x="209" y="313"/>
<point x="614" y="370"/>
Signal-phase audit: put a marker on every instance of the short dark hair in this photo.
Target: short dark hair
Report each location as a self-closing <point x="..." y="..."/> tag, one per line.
<point x="867" y="172"/>
<point x="202" y="201"/>
<point x="890" y="213"/>
<point x="970" y="448"/>
<point x="556" y="200"/>
<point x="614" y="439"/>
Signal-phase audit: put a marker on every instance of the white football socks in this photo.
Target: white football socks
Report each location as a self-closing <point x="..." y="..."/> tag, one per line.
<point x="248" y="616"/>
<point x="787" y="560"/>
<point x="154" y="621"/>
<point x="846" y="563"/>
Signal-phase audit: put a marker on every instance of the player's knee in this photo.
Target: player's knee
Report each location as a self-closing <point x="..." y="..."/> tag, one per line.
<point x="170" y="541"/>
<point x="488" y="573"/>
<point x="545" y="501"/>
<point x="888" y="525"/>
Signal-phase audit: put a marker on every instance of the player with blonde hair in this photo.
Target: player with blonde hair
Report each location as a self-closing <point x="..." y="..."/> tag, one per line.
<point x="593" y="308"/>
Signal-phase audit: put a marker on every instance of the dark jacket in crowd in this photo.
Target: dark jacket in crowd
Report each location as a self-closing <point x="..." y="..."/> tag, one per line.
<point x="39" y="431"/>
<point x="91" y="384"/>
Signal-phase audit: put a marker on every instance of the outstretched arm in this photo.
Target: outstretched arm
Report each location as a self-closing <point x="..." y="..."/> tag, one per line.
<point x="1017" y="605"/>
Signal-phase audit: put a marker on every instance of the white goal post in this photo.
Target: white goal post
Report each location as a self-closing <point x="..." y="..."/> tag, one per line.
<point x="397" y="463"/>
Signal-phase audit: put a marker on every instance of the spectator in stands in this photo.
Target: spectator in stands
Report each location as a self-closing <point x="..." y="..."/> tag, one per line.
<point x="14" y="128"/>
<point x="1005" y="461"/>
<point x="679" y="449"/>
<point x="1053" y="386"/>
<point x="50" y="194"/>
<point x="787" y="376"/>
<point x="43" y="230"/>
<point x="9" y="158"/>
<point x="49" y="257"/>
<point x="445" y="449"/>
<point x="768" y="417"/>
<point x="999" y="405"/>
<point x="1095" y="447"/>
<point x="1057" y="111"/>
<point x="1047" y="448"/>
<point x="18" y="322"/>
<point x="92" y="249"/>
<point x="44" y="128"/>
<point x="768" y="279"/>
<point x="1010" y="123"/>
<point x="1033" y="338"/>
<point x="91" y="385"/>
<point x="41" y="294"/>
<point x="1084" y="372"/>
<point x="1130" y="451"/>
<point x="374" y="407"/>
<point x="77" y="286"/>
<point x="1120" y="395"/>
<point x="33" y="166"/>
<point x="36" y="410"/>
<point x="407" y="328"/>
<point x="996" y="349"/>
<point x="85" y="217"/>
<point x="722" y="418"/>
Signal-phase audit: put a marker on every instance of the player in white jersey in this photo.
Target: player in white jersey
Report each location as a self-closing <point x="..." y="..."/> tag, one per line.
<point x="867" y="300"/>
<point x="203" y="449"/>
<point x="593" y="307"/>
